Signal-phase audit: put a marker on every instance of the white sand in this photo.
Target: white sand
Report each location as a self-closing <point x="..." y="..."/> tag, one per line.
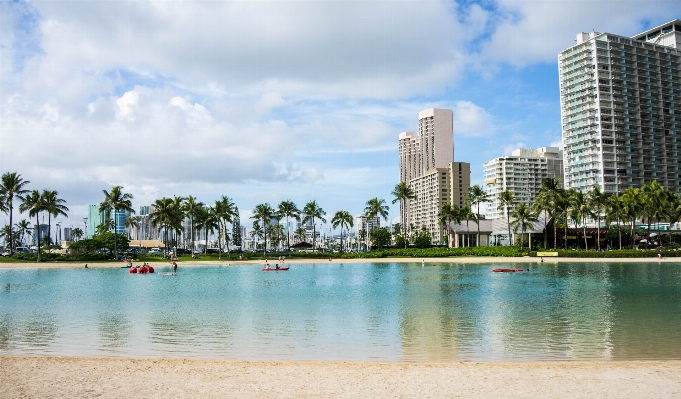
<point x="49" y="377"/>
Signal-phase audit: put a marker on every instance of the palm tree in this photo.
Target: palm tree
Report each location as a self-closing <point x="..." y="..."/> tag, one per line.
<point x="76" y="234"/>
<point x="342" y="219"/>
<point x="478" y="196"/>
<point x="116" y="200"/>
<point x="264" y="213"/>
<point x="54" y="206"/>
<point x="597" y="201"/>
<point x="311" y="212"/>
<point x="544" y="204"/>
<point x="130" y="223"/>
<point x="33" y="203"/>
<point x="615" y="210"/>
<point x="507" y="200"/>
<point x="552" y="188"/>
<point x="403" y="193"/>
<point x="632" y="201"/>
<point x="448" y="213"/>
<point x="11" y="185"/>
<point x="563" y="208"/>
<point x="166" y="216"/>
<point x="8" y="236"/>
<point x="23" y="228"/>
<point x="674" y="212"/>
<point x="256" y="232"/>
<point x="191" y="207"/>
<point x="207" y="220"/>
<point x="653" y="198"/>
<point x="225" y="212"/>
<point x="299" y="234"/>
<point x="467" y="215"/>
<point x="580" y="211"/>
<point x="375" y="207"/>
<point x="287" y="209"/>
<point x="523" y="217"/>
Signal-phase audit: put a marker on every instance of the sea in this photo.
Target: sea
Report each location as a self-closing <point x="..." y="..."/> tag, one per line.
<point x="331" y="311"/>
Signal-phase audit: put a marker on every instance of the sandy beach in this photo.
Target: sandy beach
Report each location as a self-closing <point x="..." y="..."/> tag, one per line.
<point x="468" y="260"/>
<point x="49" y="377"/>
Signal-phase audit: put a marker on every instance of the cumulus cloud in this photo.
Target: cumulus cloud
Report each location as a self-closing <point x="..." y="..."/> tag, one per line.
<point x="471" y="120"/>
<point x="528" y="31"/>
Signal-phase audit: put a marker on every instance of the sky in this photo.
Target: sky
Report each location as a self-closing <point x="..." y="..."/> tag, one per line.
<point x="264" y="101"/>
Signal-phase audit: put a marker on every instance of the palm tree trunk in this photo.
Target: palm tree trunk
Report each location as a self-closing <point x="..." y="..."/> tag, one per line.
<point x="115" y="236"/>
<point x="288" y="236"/>
<point x="598" y="230"/>
<point x="314" y="236"/>
<point x="37" y="220"/>
<point x="49" y="228"/>
<point x="508" y="224"/>
<point x="619" y="231"/>
<point x="586" y="245"/>
<point x="648" y="238"/>
<point x="477" y="244"/>
<point x="545" y="224"/>
<point x="264" y="251"/>
<point x="11" y="243"/>
<point x="555" y="237"/>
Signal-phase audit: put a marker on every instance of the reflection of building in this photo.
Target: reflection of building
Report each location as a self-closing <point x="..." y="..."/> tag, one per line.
<point x="620" y="113"/>
<point x="522" y="173"/>
<point x="427" y="165"/>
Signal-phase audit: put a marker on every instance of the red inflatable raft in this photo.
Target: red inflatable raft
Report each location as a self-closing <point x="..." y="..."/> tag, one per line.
<point x="507" y="270"/>
<point x="151" y="269"/>
<point x="281" y="269"/>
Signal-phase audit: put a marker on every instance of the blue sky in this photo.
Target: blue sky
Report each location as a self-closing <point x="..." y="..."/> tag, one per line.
<point x="266" y="101"/>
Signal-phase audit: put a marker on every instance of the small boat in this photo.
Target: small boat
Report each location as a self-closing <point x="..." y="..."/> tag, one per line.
<point x="507" y="270"/>
<point x="281" y="269"/>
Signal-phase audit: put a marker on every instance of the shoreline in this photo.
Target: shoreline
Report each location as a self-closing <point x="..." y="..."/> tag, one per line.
<point x="43" y="376"/>
<point x="451" y="260"/>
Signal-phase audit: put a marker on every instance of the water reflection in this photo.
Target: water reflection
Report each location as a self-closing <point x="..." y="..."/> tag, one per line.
<point x="445" y="312"/>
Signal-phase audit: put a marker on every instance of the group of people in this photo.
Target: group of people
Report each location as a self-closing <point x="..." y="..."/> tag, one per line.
<point x="276" y="265"/>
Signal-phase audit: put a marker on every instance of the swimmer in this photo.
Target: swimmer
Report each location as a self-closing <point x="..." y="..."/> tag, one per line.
<point x="86" y="266"/>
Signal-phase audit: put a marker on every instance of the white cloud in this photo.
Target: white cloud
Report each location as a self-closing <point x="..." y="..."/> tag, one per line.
<point x="528" y="31"/>
<point x="471" y="120"/>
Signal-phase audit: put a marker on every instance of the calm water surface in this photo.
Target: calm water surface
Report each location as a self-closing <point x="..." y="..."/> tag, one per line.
<point x="363" y="312"/>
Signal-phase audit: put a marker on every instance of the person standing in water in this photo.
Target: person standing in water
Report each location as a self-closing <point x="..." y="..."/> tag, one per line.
<point x="174" y="268"/>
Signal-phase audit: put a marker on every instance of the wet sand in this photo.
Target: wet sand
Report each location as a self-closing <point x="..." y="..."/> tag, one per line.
<point x="469" y="260"/>
<point x="50" y="377"/>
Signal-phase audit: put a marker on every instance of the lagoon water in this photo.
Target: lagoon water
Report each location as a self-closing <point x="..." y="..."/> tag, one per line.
<point x="348" y="312"/>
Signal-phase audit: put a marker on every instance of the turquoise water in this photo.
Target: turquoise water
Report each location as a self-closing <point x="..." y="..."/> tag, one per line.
<point x="348" y="312"/>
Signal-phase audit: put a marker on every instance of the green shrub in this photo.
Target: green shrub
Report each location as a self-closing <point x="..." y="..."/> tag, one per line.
<point x="617" y="253"/>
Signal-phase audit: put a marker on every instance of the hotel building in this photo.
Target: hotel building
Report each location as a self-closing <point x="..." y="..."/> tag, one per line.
<point x="621" y="109"/>
<point x="427" y="165"/>
<point x="522" y="173"/>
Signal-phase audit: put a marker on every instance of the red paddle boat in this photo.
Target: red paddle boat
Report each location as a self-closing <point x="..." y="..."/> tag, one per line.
<point x="507" y="270"/>
<point x="281" y="269"/>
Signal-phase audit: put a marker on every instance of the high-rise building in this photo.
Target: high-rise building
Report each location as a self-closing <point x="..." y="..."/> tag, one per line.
<point x="620" y="109"/>
<point x="367" y="224"/>
<point x="427" y="166"/>
<point x="522" y="173"/>
<point x="67" y="233"/>
<point x="44" y="232"/>
<point x="94" y="219"/>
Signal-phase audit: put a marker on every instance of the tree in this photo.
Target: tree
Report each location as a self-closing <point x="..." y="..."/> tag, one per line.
<point x="112" y="241"/>
<point x="76" y="234"/>
<point x="191" y="207"/>
<point x="449" y="213"/>
<point x="236" y="228"/>
<point x="403" y="193"/>
<point x="224" y="211"/>
<point x="165" y="215"/>
<point x="523" y="218"/>
<point x="563" y="207"/>
<point x="580" y="211"/>
<point x="478" y="196"/>
<point x="256" y="232"/>
<point x="207" y="220"/>
<point x="287" y="209"/>
<point x="597" y="201"/>
<point x="33" y="203"/>
<point x="423" y="239"/>
<point x="543" y="204"/>
<point x="375" y="207"/>
<point x="614" y="210"/>
<point x="380" y="237"/>
<point x="507" y="200"/>
<point x="299" y="234"/>
<point x="632" y="202"/>
<point x="653" y="199"/>
<point x="10" y="237"/>
<point x="342" y="219"/>
<point x="23" y="228"/>
<point x="54" y="206"/>
<point x="552" y="188"/>
<point x="264" y="213"/>
<point x="311" y="212"/>
<point x="12" y="185"/>
<point x="467" y="215"/>
<point x="130" y="223"/>
<point x="116" y="200"/>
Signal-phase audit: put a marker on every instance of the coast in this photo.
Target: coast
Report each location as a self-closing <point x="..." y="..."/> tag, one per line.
<point x="468" y="260"/>
<point x="56" y="377"/>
